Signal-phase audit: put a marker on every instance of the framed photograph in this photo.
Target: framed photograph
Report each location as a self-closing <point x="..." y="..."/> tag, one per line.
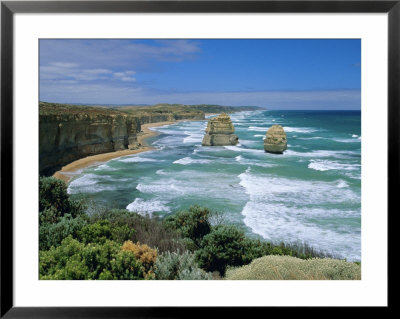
<point x="163" y="155"/>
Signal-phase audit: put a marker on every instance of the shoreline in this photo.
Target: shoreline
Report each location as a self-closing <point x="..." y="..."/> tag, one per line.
<point x="68" y="171"/>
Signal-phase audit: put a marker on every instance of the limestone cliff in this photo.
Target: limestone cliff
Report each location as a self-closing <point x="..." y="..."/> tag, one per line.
<point x="275" y="141"/>
<point x="67" y="135"/>
<point x="220" y="131"/>
<point x="70" y="132"/>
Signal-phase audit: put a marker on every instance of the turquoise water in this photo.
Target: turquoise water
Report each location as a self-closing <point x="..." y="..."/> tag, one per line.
<point x="311" y="193"/>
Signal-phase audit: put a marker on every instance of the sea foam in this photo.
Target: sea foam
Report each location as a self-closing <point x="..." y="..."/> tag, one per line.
<point x="137" y="159"/>
<point x="104" y="167"/>
<point x="252" y="162"/>
<point x="193" y="137"/>
<point x="92" y="183"/>
<point x="147" y="207"/>
<point x="242" y="149"/>
<point x="325" y="165"/>
<point x="295" y="210"/>
<point x="299" y="129"/>
<point x="188" y="160"/>
<point x="322" y="153"/>
<point x="347" y="140"/>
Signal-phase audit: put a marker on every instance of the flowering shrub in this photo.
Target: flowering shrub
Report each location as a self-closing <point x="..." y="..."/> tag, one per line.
<point x="144" y="253"/>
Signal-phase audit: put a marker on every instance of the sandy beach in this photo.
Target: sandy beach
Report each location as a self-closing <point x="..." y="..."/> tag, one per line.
<point x="68" y="171"/>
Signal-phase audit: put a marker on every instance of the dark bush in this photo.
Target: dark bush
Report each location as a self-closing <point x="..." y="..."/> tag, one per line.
<point x="53" y="195"/>
<point x="193" y="224"/>
<point x="224" y="246"/>
<point x="49" y="215"/>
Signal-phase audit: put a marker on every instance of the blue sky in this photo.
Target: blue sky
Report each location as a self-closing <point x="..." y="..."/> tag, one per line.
<point x="276" y="74"/>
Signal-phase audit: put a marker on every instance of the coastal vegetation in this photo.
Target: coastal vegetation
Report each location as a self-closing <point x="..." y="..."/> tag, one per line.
<point x="80" y="241"/>
<point x="289" y="268"/>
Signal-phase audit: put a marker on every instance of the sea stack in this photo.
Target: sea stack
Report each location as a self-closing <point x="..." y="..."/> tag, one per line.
<point x="220" y="131"/>
<point x="275" y="141"/>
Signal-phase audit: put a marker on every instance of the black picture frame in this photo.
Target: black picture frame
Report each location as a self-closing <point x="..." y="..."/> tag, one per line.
<point x="9" y="8"/>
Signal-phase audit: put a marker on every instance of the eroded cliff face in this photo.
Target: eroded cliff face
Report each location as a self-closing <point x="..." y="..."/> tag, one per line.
<point x="68" y="137"/>
<point x="68" y="133"/>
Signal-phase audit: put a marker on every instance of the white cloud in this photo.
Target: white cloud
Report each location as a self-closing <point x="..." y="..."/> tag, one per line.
<point x="126" y="76"/>
<point x="63" y="64"/>
<point x="122" y="54"/>
<point x="68" y="72"/>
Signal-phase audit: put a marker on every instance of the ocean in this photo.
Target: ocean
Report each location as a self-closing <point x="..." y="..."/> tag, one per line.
<point x="310" y="194"/>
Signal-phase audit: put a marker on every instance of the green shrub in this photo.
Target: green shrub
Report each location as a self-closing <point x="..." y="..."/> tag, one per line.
<point x="193" y="224"/>
<point x="49" y="215"/>
<point x="75" y="260"/>
<point x="125" y="266"/>
<point x="52" y="234"/>
<point x="300" y="250"/>
<point x="102" y="230"/>
<point x="224" y="246"/>
<point x="292" y="268"/>
<point x="96" y="233"/>
<point x="174" y="265"/>
<point x="53" y="195"/>
<point x="122" y="233"/>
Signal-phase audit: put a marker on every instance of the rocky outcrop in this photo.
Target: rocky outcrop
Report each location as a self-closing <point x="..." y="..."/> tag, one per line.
<point x="275" y="141"/>
<point x="220" y="131"/>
